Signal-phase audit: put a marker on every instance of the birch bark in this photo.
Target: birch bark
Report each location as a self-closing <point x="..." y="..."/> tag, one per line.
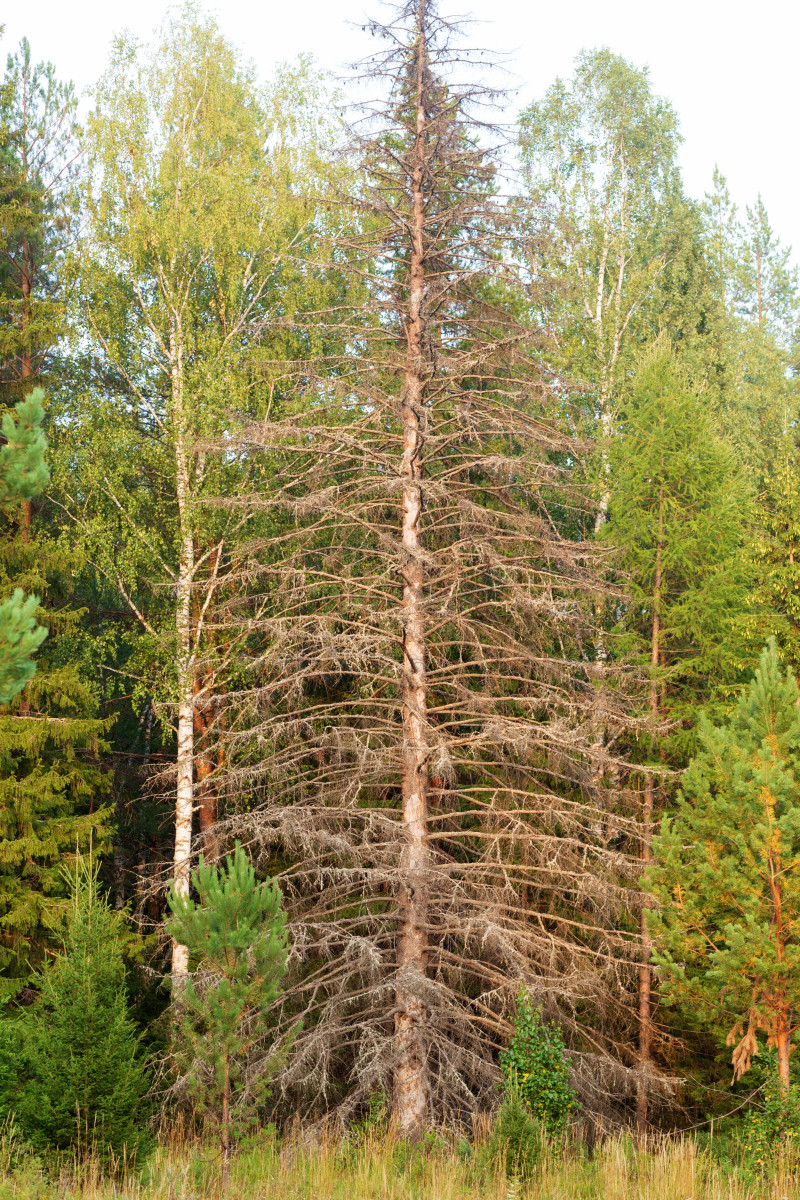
<point x="184" y="791"/>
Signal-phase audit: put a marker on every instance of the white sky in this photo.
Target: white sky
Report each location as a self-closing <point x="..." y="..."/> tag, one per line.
<point x="729" y="67"/>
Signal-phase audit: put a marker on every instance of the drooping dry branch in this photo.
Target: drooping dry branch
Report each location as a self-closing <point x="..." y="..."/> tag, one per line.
<point x="414" y="746"/>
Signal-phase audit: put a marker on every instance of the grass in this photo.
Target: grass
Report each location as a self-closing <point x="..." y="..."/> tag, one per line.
<point x="375" y="1166"/>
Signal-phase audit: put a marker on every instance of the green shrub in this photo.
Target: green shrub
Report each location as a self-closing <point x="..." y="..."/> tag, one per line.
<point x="536" y="1069"/>
<point x="773" y="1131"/>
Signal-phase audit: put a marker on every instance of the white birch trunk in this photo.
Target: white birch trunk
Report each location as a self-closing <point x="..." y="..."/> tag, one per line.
<point x="184" y="792"/>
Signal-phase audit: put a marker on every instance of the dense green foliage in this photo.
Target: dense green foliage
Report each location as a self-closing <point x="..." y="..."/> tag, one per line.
<point x="79" y="1083"/>
<point x="729" y="922"/>
<point x="236" y="936"/>
<point x="23" y="474"/>
<point x="536" y="1068"/>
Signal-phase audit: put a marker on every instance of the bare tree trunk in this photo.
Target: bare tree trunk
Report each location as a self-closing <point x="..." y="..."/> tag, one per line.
<point x="208" y="745"/>
<point x="645" y="970"/>
<point x="783" y="1034"/>
<point x="26" y="370"/>
<point x="783" y="1039"/>
<point x="184" y="791"/>
<point x="207" y="763"/>
<point x="411" y="1084"/>
<point x="225" y="1123"/>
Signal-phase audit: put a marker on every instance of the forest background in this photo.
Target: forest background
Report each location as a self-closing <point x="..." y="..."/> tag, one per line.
<point x="406" y="528"/>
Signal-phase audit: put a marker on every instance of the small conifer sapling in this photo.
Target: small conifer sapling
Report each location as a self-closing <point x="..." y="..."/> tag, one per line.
<point x="237" y="940"/>
<point x="81" y="1081"/>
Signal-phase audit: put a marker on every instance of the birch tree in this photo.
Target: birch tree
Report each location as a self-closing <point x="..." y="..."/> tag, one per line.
<point x="412" y="755"/>
<point x="196" y="203"/>
<point x="599" y="156"/>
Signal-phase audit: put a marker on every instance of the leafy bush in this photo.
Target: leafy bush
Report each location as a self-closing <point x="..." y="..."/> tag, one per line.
<point x="774" y="1130"/>
<point x="536" y="1069"/>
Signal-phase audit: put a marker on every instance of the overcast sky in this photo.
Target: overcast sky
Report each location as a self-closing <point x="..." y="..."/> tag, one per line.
<point x="730" y="68"/>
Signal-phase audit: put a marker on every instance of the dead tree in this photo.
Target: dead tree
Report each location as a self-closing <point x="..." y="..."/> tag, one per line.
<point x="413" y="747"/>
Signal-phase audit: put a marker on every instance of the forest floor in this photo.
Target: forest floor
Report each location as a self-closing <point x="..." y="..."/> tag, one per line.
<point x="378" y="1168"/>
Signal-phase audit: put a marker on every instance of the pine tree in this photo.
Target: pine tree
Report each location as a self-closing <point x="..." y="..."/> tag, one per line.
<point x="23" y="473"/>
<point x="236" y="937"/>
<point x="728" y="926"/>
<point x="38" y="218"/>
<point x="81" y="1083"/>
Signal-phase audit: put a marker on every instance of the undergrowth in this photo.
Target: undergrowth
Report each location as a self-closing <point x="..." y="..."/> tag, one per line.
<point x="375" y="1165"/>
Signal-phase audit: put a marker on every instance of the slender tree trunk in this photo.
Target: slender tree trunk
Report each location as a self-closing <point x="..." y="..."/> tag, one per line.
<point x="783" y="1040"/>
<point x="184" y="797"/>
<point x="411" y="1083"/>
<point x="26" y="370"/>
<point x="782" y="1025"/>
<point x="207" y="759"/>
<point x="206" y="764"/>
<point x="225" y="1123"/>
<point x="645" y="970"/>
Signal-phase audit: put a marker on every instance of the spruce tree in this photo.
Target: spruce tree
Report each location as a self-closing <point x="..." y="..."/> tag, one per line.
<point x="728" y="926"/>
<point x="236" y="937"/>
<point x="678" y="512"/>
<point x="775" y="554"/>
<point x="418" y="741"/>
<point x="81" y="1083"/>
<point x="50" y="735"/>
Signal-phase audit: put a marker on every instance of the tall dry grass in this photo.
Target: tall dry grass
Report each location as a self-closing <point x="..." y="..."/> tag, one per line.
<point x="377" y="1167"/>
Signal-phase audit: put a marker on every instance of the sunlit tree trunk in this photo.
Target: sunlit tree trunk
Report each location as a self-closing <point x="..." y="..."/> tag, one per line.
<point x="411" y="1075"/>
<point x="184" y="790"/>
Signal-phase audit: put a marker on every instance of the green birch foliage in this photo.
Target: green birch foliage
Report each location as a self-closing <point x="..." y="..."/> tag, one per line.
<point x="200" y="235"/>
<point x="536" y="1068"/>
<point x="237" y="939"/>
<point x="757" y="376"/>
<point x="81" y="1083"/>
<point x="727" y="925"/>
<point x="678" y="516"/>
<point x="599" y="154"/>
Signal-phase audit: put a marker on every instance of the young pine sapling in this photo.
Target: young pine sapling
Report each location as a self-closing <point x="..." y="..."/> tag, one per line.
<point x="237" y="941"/>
